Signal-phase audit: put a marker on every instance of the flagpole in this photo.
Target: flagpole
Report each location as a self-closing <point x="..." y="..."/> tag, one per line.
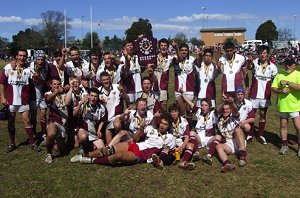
<point x="65" y="13"/>
<point x="91" y="13"/>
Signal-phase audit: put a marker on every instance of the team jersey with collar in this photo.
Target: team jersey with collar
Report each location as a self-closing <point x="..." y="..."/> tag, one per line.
<point x="205" y="124"/>
<point x="58" y="111"/>
<point x="246" y="110"/>
<point x="226" y="127"/>
<point x="232" y="74"/>
<point x="39" y="87"/>
<point x="17" y="84"/>
<point x="262" y="80"/>
<point x="184" y="75"/>
<point x="112" y="73"/>
<point x="130" y="74"/>
<point x="113" y="100"/>
<point x="181" y="128"/>
<point x="161" y="71"/>
<point x="207" y="81"/>
<point x="153" y="139"/>
<point x="134" y="120"/>
<point x="73" y="70"/>
<point x="91" y="116"/>
<point x="153" y="104"/>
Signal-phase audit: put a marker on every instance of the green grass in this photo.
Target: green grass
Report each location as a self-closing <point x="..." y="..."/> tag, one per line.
<point x="23" y="173"/>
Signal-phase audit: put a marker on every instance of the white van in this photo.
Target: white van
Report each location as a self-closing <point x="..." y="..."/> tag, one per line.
<point x="251" y="44"/>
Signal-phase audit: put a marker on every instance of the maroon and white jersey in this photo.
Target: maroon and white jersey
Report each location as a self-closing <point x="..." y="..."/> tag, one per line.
<point x="135" y="120"/>
<point x="226" y="126"/>
<point x="113" y="100"/>
<point x="161" y="71"/>
<point x="181" y="128"/>
<point x="17" y="84"/>
<point x="76" y="97"/>
<point x="130" y="74"/>
<point x="262" y="80"/>
<point x="91" y="116"/>
<point x="184" y="75"/>
<point x="56" y="72"/>
<point x="153" y="139"/>
<point x="114" y="76"/>
<point x="205" y="123"/>
<point x="207" y="75"/>
<point x="153" y="103"/>
<point x="246" y="110"/>
<point x="58" y="111"/>
<point x="73" y="70"/>
<point x="39" y="85"/>
<point x="232" y="74"/>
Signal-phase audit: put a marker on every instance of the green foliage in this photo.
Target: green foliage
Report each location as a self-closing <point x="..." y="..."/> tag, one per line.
<point x="142" y="26"/>
<point x="86" y="41"/>
<point x="196" y="42"/>
<point x="52" y="28"/>
<point x="180" y="38"/>
<point x="28" y="39"/>
<point x="112" y="44"/>
<point x="267" y="31"/>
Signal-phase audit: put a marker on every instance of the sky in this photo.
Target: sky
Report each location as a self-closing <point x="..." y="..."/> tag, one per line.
<point x="168" y="17"/>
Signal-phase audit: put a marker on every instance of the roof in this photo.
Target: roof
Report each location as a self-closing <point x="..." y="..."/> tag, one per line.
<point x="239" y="29"/>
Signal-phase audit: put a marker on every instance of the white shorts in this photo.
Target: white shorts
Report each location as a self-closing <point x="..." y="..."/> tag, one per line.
<point x="18" y="108"/>
<point x="260" y="103"/>
<point x="110" y="123"/>
<point x="163" y="96"/>
<point x="203" y="140"/>
<point x="232" y="144"/>
<point x="38" y="104"/>
<point x="61" y="130"/>
<point x="93" y="137"/>
<point x="198" y="104"/>
<point x="190" y="95"/>
<point x="288" y="115"/>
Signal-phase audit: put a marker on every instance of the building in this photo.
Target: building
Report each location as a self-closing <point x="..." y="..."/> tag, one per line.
<point x="213" y="36"/>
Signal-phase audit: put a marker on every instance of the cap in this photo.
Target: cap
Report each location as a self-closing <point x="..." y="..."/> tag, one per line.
<point x="39" y="53"/>
<point x="289" y="61"/>
<point x="239" y="90"/>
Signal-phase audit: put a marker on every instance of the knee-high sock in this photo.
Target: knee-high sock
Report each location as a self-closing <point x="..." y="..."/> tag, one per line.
<point x="187" y="155"/>
<point x="102" y="161"/>
<point x="44" y="127"/>
<point x="193" y="140"/>
<point x="212" y="148"/>
<point x="243" y="154"/>
<point x="261" y="128"/>
<point x="29" y="132"/>
<point x="12" y="135"/>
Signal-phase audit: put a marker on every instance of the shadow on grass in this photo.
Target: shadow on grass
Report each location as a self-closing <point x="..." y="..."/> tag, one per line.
<point x="274" y="139"/>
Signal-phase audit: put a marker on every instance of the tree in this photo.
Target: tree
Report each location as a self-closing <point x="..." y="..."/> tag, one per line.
<point x="86" y="41"/>
<point x="52" y="28"/>
<point x="267" y="31"/>
<point x="4" y="42"/>
<point x="180" y="38"/>
<point x="28" y="39"/>
<point x="142" y="26"/>
<point x="106" y="43"/>
<point x="196" y="42"/>
<point x="116" y="43"/>
<point x="284" y="34"/>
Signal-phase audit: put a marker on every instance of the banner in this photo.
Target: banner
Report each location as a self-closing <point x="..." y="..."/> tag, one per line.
<point x="146" y="49"/>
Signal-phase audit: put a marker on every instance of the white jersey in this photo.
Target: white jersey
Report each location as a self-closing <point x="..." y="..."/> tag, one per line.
<point x="205" y="124"/>
<point x="17" y="84"/>
<point x="226" y="127"/>
<point x="262" y="80"/>
<point x="161" y="71"/>
<point x="112" y="74"/>
<point x="40" y="87"/>
<point x="75" y="71"/>
<point x="155" y="140"/>
<point x="207" y="74"/>
<point x="232" y="74"/>
<point x="135" y="120"/>
<point x="112" y="100"/>
<point x="246" y="110"/>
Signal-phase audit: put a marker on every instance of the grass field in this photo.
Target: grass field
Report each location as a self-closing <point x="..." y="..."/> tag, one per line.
<point x="23" y="173"/>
